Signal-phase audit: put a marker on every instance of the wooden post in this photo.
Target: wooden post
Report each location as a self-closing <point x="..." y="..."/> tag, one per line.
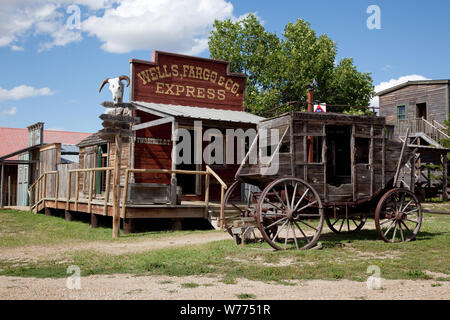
<point x="444" y="176"/>
<point x="77" y="186"/>
<point x="412" y="163"/>
<point x="68" y="216"/>
<point x="1" y="184"/>
<point x="222" y="195"/>
<point x="207" y="179"/>
<point x="9" y="191"/>
<point x="173" y="179"/>
<point x="128" y="225"/>
<point x="353" y="163"/>
<point x="45" y="186"/>
<point x="383" y="159"/>
<point x="310" y="139"/>
<point x="371" y="161"/>
<point x="94" y="220"/>
<point x="125" y="194"/>
<point x="69" y="191"/>
<point x="105" y="206"/>
<point x="56" y="189"/>
<point x="116" y="188"/>
<point x="91" y="190"/>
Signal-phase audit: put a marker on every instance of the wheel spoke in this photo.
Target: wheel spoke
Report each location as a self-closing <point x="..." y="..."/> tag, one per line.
<point x="389" y="220"/>
<point x="348" y="225"/>
<point x="279" y="230"/>
<point x="415" y="210"/>
<point x="390" y="227"/>
<point x="301" y="199"/>
<point x="335" y="221"/>
<point x="342" y="224"/>
<point x="293" y="195"/>
<point x="240" y="210"/>
<point x="277" y="207"/>
<point x="276" y="222"/>
<point x="407" y="227"/>
<point x="301" y="231"/>
<point x="416" y="222"/>
<point x="355" y="223"/>
<point x="401" y="231"/>
<point x="307" y="225"/>
<point x="281" y="200"/>
<point x="409" y="203"/>
<point x="287" y="197"/>
<point x="287" y="235"/>
<point x="295" y="236"/>
<point x="307" y="206"/>
<point x="395" y="231"/>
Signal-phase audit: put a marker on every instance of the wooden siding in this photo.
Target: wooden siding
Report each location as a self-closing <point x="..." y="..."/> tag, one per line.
<point x="436" y="96"/>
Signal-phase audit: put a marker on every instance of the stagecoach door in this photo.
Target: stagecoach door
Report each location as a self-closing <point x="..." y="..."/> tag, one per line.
<point x="338" y="155"/>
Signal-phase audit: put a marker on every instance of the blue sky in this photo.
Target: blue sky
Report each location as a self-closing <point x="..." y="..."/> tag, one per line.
<point x="51" y="73"/>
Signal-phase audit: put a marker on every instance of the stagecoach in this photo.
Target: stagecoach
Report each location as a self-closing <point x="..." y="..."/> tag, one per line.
<point x="325" y="168"/>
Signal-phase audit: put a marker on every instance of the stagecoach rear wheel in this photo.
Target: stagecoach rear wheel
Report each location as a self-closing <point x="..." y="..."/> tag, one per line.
<point x="398" y="216"/>
<point x="341" y="224"/>
<point x="294" y="207"/>
<point x="234" y="207"/>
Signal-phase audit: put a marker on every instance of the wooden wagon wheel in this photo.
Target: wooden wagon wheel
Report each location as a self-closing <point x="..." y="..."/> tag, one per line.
<point x="398" y="216"/>
<point x="342" y="224"/>
<point x="295" y="208"/>
<point x="233" y="203"/>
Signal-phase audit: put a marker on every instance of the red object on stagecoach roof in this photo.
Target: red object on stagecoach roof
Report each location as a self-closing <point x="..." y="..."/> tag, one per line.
<point x="14" y="139"/>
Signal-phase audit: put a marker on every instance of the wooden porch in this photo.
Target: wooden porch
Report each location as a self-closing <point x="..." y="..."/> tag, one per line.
<point x="60" y="190"/>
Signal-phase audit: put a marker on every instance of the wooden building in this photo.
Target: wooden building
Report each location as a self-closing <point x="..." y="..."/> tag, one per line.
<point x="421" y="107"/>
<point x="27" y="152"/>
<point x="171" y="94"/>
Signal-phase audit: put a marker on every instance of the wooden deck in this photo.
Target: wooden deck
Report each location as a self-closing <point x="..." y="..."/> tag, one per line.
<point x="187" y="209"/>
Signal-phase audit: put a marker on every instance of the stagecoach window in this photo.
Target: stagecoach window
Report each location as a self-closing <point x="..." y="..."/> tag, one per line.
<point x="317" y="149"/>
<point x="362" y="150"/>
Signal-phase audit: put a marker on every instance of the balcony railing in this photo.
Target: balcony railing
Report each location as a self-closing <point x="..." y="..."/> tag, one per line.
<point x="433" y="129"/>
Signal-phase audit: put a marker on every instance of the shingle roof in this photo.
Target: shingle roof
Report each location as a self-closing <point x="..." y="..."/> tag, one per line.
<point x="13" y="139"/>
<point x="201" y="113"/>
<point x="91" y="140"/>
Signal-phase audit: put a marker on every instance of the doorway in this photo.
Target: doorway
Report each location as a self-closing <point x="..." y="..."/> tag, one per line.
<point x="421" y="110"/>
<point x="188" y="182"/>
<point x="338" y="155"/>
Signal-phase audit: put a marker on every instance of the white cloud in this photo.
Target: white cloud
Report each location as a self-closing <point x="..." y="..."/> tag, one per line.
<point x="22" y="92"/>
<point x="375" y="102"/>
<point x="181" y="26"/>
<point x="121" y="25"/>
<point x="8" y="112"/>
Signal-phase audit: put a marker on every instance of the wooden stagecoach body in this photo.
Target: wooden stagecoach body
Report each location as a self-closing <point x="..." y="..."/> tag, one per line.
<point x="316" y="167"/>
<point x="353" y="158"/>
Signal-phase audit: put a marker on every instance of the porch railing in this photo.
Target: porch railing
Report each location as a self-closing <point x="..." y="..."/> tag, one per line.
<point x="433" y="129"/>
<point x="41" y="191"/>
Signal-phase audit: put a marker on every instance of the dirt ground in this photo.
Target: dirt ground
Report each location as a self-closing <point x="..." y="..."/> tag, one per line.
<point x="125" y="287"/>
<point x="198" y="288"/>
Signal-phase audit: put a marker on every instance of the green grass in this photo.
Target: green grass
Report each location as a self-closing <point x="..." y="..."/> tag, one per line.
<point x="342" y="256"/>
<point x="19" y="228"/>
<point x="190" y="285"/>
<point x="245" y="296"/>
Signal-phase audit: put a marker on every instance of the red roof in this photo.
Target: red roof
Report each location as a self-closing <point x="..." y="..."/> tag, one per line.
<point x="14" y="139"/>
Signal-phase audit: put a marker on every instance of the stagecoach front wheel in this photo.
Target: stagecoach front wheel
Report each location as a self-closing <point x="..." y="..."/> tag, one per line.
<point x="398" y="216"/>
<point x="293" y="209"/>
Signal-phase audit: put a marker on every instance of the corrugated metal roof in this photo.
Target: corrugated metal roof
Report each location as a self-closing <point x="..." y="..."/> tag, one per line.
<point x="201" y="113"/>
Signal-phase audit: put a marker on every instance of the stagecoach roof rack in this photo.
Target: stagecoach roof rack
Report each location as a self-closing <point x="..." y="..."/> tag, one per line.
<point x="330" y="116"/>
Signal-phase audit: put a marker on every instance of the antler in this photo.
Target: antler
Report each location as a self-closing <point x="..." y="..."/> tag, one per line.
<point x="103" y="84"/>
<point x="125" y="78"/>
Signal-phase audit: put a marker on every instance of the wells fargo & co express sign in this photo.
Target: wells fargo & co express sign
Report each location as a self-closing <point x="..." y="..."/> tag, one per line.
<point x="184" y="80"/>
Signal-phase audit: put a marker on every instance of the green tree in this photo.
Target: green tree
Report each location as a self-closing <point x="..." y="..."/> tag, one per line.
<point x="280" y="69"/>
